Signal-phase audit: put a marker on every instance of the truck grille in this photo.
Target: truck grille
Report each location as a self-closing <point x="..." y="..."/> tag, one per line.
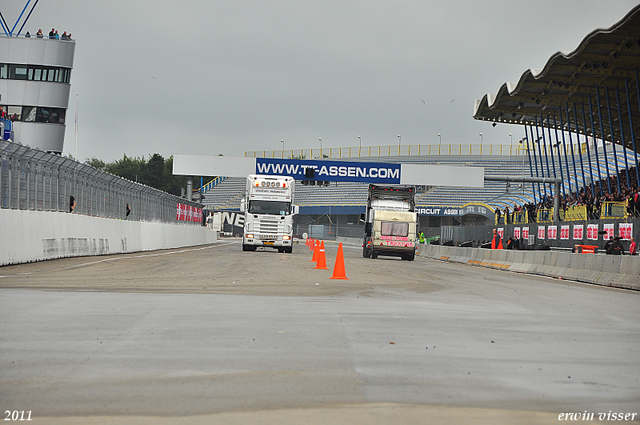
<point x="268" y="227"/>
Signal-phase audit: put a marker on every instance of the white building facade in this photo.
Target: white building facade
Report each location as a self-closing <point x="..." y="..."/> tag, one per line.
<point x="35" y="76"/>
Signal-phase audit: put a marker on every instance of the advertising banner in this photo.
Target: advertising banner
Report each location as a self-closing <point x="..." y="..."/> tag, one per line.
<point x="564" y="232"/>
<point x="188" y="213"/>
<point x="552" y="233"/>
<point x="325" y="170"/>
<point x="440" y="211"/>
<point x="516" y="233"/>
<point x="541" y="232"/>
<point x="232" y="223"/>
<point x="592" y="232"/>
<point x="608" y="228"/>
<point x="626" y="231"/>
<point x="525" y="233"/>
<point x="578" y="232"/>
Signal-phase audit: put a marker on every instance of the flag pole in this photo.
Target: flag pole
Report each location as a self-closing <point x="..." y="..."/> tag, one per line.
<point x="76" y="125"/>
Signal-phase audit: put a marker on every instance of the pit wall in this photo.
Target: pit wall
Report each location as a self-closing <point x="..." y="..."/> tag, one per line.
<point x="620" y="271"/>
<point x="27" y="236"/>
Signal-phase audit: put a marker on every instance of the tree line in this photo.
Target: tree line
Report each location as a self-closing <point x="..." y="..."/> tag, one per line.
<point x="156" y="172"/>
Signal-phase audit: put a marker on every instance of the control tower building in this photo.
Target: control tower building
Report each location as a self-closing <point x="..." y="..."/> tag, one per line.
<point x="35" y="75"/>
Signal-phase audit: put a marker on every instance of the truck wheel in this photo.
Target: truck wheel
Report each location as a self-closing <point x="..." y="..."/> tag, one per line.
<point x="374" y="255"/>
<point x="248" y="247"/>
<point x="288" y="250"/>
<point x="366" y="253"/>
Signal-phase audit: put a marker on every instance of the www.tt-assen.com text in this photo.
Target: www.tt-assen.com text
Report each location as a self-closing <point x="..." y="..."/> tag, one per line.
<point x="332" y="170"/>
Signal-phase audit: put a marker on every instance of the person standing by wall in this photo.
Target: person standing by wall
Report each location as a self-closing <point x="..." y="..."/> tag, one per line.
<point x="496" y="242"/>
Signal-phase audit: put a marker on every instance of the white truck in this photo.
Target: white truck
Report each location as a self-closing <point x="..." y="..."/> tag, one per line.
<point x="268" y="212"/>
<point x="390" y="222"/>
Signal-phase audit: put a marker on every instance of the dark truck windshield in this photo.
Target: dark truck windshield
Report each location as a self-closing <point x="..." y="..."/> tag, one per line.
<point x="270" y="207"/>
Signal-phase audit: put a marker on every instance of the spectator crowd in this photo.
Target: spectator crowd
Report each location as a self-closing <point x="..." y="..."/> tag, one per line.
<point x="593" y="200"/>
<point x="53" y="35"/>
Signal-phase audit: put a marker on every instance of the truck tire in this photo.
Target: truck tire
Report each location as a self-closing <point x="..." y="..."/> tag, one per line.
<point x="366" y="252"/>
<point x="288" y="250"/>
<point x="248" y="247"/>
<point x="374" y="255"/>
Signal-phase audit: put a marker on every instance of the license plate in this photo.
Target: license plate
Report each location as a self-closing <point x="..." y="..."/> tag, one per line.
<point x="268" y="242"/>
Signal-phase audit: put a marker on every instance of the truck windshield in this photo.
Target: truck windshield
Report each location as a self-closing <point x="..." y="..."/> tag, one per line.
<point x="270" y="207"/>
<point x="392" y="228"/>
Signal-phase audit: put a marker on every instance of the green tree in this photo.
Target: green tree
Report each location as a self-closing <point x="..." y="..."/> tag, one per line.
<point x="96" y="163"/>
<point x="172" y="184"/>
<point x="152" y="171"/>
<point x="128" y="168"/>
<point x="156" y="172"/>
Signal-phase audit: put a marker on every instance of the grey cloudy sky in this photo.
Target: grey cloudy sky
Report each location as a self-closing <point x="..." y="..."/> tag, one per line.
<point x="224" y="77"/>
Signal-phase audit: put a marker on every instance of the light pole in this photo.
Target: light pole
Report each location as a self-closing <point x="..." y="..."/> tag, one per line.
<point x="360" y="148"/>
<point x="282" y="141"/>
<point x="511" y="136"/>
<point x="320" y="147"/>
<point x="481" y="138"/>
<point x="399" y="143"/>
<point x="440" y="137"/>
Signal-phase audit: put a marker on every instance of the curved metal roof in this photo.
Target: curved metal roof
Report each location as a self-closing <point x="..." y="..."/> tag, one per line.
<point x="605" y="66"/>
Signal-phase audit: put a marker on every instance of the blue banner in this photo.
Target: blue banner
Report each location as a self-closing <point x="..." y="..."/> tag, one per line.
<point x="332" y="171"/>
<point x="456" y="211"/>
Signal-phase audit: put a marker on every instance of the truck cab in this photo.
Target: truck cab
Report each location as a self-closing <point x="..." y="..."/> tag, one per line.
<point x="269" y="212"/>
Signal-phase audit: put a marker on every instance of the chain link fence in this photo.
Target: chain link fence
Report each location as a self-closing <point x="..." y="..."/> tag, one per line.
<point x="31" y="179"/>
<point x="331" y="231"/>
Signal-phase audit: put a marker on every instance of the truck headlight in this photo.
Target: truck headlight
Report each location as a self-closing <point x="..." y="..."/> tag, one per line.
<point x="249" y="235"/>
<point x="286" y="237"/>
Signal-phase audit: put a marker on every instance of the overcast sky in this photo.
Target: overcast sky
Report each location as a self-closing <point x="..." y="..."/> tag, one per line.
<point x="224" y="77"/>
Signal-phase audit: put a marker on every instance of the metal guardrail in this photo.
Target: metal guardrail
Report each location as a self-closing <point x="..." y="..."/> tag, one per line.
<point x="576" y="213"/>
<point x="31" y="179"/>
<point x="521" y="217"/>
<point x="391" y="150"/>
<point x="608" y="210"/>
<point x="544" y="215"/>
<point x="612" y="209"/>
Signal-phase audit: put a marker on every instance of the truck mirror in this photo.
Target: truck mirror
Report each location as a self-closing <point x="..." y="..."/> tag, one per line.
<point x="243" y="205"/>
<point x="296" y="210"/>
<point x="362" y="218"/>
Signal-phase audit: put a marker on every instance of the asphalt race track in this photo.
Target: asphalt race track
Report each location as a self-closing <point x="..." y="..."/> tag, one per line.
<point x="215" y="335"/>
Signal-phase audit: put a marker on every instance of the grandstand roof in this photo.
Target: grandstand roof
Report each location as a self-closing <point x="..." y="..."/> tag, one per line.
<point x="605" y="63"/>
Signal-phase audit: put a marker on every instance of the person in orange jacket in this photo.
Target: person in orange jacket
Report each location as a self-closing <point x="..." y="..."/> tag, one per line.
<point x="496" y="242"/>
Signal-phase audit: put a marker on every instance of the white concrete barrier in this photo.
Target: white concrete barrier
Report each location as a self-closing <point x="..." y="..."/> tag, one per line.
<point x="607" y="270"/>
<point x="27" y="236"/>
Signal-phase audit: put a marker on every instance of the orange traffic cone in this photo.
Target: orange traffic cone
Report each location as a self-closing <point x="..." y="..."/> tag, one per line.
<point x="307" y="242"/>
<point x="311" y="244"/>
<point x="338" y="269"/>
<point x="322" y="260"/>
<point x="316" y="250"/>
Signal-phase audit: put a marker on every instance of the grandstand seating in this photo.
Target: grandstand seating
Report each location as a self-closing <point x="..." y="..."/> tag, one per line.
<point x="227" y="193"/>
